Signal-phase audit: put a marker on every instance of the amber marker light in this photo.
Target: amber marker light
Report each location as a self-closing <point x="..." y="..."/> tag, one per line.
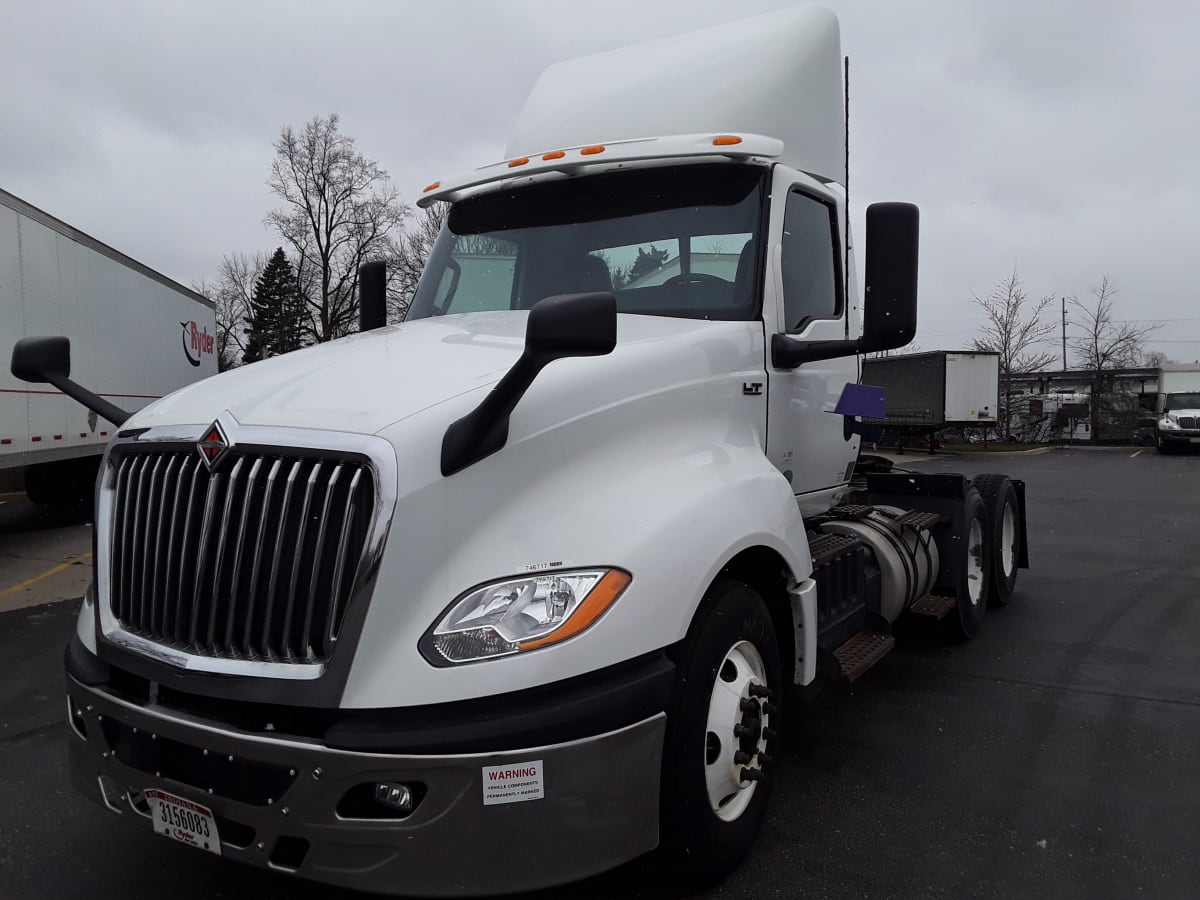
<point x="598" y="600"/>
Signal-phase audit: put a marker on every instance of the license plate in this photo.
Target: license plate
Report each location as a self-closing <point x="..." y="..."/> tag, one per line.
<point x="184" y="821"/>
<point x="1194" y="440"/>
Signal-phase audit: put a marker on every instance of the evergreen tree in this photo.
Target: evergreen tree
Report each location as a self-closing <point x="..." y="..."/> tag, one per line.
<point x="276" y="310"/>
<point x="648" y="261"/>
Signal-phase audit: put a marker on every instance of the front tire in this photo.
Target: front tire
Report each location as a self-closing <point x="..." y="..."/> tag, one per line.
<point x="722" y="723"/>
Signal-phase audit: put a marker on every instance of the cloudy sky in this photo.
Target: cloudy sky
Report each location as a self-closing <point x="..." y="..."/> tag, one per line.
<point x="1060" y="137"/>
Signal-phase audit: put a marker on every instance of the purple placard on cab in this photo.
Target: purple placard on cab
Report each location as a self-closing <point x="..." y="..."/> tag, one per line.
<point x="861" y="400"/>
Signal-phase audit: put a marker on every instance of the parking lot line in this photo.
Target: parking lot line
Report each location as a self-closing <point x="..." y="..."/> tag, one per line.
<point x="61" y="567"/>
<point x="1132" y="455"/>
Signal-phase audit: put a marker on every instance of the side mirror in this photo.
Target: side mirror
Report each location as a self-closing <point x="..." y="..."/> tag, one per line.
<point x="558" y="327"/>
<point x="572" y="325"/>
<point x="372" y="295"/>
<point x="47" y="360"/>
<point x="39" y="359"/>
<point x="890" y="288"/>
<point x="889" y="292"/>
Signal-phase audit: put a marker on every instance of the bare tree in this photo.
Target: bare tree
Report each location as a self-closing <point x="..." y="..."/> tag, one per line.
<point x="231" y="294"/>
<point x="339" y="209"/>
<point x="1013" y="327"/>
<point x="408" y="261"/>
<point x="1153" y="359"/>
<point x="1106" y="344"/>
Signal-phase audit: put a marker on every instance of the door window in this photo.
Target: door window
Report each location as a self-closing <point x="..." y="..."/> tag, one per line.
<point x="811" y="286"/>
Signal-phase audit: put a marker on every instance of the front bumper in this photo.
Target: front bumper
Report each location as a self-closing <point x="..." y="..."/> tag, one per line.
<point x="276" y="800"/>
<point x="1180" y="436"/>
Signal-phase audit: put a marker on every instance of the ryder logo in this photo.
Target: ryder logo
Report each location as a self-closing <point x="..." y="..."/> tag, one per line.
<point x="197" y="342"/>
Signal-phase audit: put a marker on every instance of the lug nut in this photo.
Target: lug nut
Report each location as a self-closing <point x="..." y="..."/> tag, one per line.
<point x="748" y="705"/>
<point x="740" y="731"/>
<point x="764" y="759"/>
<point x="769" y="734"/>
<point x="760" y="690"/>
<point x="770" y="708"/>
<point x="740" y="758"/>
<point x="752" y="774"/>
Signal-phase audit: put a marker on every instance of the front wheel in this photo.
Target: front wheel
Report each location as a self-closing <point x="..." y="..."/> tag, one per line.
<point x="717" y="771"/>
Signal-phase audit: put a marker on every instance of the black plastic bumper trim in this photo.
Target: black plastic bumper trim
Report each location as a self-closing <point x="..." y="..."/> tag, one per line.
<point x="568" y="710"/>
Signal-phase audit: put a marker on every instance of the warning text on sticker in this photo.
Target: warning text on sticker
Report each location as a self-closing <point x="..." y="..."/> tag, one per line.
<point x="513" y="783"/>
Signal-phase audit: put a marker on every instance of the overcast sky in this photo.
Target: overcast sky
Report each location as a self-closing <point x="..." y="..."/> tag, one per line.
<point x="1063" y="137"/>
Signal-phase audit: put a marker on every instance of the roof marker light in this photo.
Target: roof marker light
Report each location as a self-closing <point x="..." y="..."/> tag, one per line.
<point x="519" y="161"/>
<point x="593" y="150"/>
<point x="431" y="187"/>
<point x="554" y="154"/>
<point x="726" y="140"/>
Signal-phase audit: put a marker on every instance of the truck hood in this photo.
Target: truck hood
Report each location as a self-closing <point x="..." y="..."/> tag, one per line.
<point x="365" y="382"/>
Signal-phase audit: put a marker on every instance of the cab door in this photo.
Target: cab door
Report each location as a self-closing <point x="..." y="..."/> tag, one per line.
<point x="806" y="440"/>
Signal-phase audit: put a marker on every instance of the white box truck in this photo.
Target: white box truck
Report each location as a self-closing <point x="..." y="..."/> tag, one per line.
<point x="1178" y="406"/>
<point x="515" y="591"/>
<point x="135" y="335"/>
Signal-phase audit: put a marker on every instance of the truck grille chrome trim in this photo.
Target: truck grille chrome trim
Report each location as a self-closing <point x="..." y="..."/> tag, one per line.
<point x="247" y="569"/>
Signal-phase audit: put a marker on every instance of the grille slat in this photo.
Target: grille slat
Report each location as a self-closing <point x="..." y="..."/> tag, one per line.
<point x="264" y="517"/>
<point x="218" y="596"/>
<point x="211" y="501"/>
<point x="333" y="621"/>
<point x="235" y="582"/>
<point x="1188" y="422"/>
<point x="159" y="562"/>
<point x="254" y="561"/>
<point x="314" y="577"/>
<point x="143" y="607"/>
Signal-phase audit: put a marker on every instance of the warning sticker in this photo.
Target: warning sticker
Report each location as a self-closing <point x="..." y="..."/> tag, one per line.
<point x="512" y="783"/>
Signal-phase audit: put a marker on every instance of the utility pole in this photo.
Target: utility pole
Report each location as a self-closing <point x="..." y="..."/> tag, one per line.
<point x="1064" y="333"/>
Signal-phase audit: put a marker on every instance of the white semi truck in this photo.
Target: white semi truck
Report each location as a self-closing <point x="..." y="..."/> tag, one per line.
<point x="515" y="591"/>
<point x="1178" y="406"/>
<point x="56" y="279"/>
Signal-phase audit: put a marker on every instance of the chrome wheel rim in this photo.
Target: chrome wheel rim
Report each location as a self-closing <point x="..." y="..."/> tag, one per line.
<point x="1008" y="541"/>
<point x="736" y="731"/>
<point x="975" y="579"/>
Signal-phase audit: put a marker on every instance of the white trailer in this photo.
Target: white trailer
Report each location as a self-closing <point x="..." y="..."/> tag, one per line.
<point x="937" y="388"/>
<point x="515" y="591"/>
<point x="135" y="336"/>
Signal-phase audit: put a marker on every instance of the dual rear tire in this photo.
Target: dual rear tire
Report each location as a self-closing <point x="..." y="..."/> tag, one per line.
<point x="990" y="553"/>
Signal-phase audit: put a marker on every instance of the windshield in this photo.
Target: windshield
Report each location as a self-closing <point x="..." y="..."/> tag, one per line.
<point x="677" y="241"/>
<point x="1183" y="401"/>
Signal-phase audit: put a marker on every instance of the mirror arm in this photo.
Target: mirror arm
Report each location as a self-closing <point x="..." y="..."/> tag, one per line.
<point x="788" y="353"/>
<point x="82" y="395"/>
<point x="484" y="430"/>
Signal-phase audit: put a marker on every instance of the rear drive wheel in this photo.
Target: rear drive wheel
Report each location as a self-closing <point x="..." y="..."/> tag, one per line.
<point x="1166" y="448"/>
<point x="717" y="773"/>
<point x="1003" y="534"/>
<point x="975" y="565"/>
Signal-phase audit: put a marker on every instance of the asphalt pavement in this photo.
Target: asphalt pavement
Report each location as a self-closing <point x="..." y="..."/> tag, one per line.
<point x="1056" y="755"/>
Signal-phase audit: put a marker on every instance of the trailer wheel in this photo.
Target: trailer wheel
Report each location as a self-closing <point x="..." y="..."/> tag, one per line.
<point x="974" y="569"/>
<point x="717" y="773"/>
<point x="1003" y="534"/>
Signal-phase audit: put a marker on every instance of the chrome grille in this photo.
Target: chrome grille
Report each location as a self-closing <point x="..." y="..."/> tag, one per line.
<point x="256" y="560"/>
<point x="1187" y="422"/>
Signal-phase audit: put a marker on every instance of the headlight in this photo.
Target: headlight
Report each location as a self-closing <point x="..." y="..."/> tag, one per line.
<point x="1168" y="423"/>
<point x="521" y="614"/>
